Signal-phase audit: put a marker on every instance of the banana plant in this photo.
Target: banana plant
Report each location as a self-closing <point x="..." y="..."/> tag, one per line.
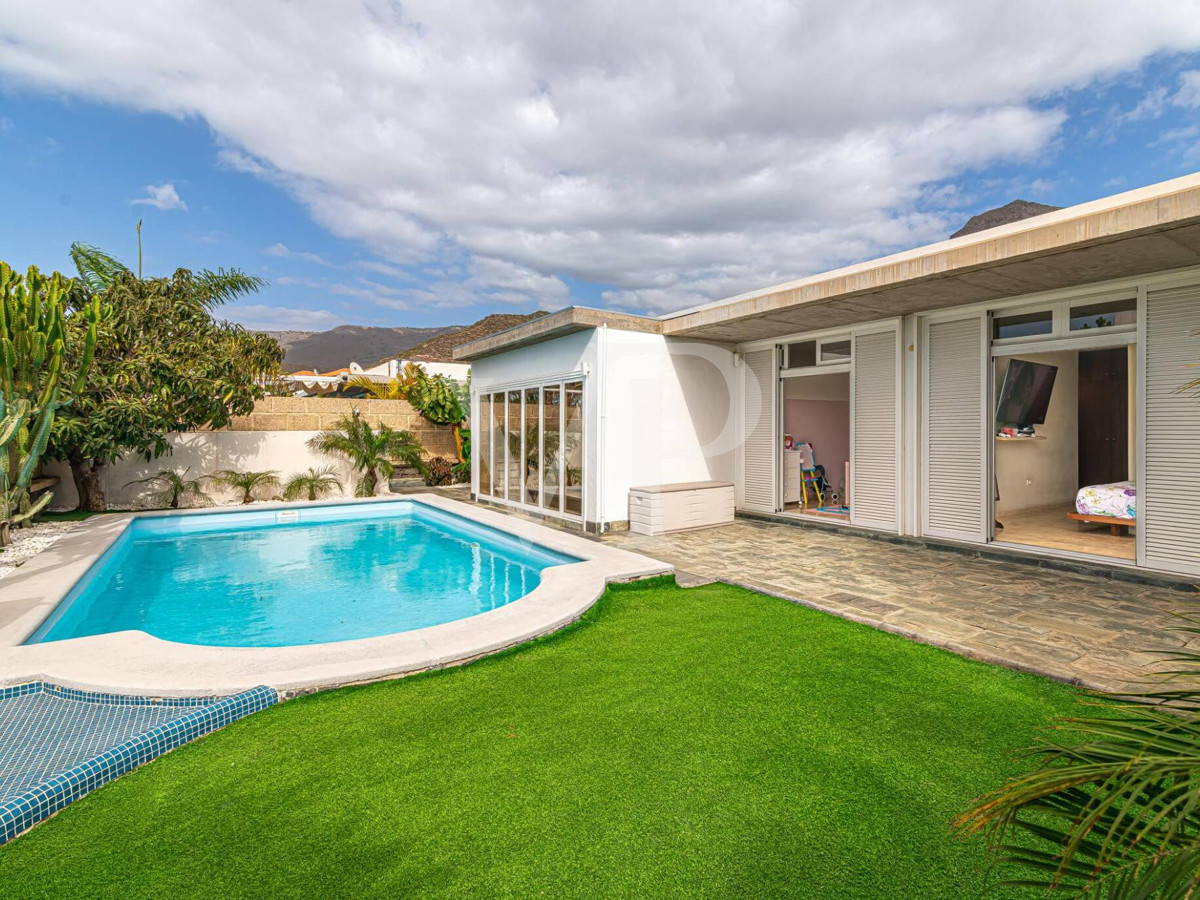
<point x="33" y="385"/>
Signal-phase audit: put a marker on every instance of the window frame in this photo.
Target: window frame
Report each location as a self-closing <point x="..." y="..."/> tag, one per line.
<point x="500" y="493"/>
<point x="1060" y="317"/>
<point x="846" y="339"/>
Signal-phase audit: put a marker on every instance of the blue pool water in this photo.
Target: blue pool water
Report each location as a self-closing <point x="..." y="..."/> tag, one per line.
<point x="273" y="578"/>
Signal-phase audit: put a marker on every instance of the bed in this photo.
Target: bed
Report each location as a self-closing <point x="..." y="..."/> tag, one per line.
<point x="1113" y="504"/>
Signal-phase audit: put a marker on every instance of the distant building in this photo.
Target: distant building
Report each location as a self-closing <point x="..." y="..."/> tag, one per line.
<point x="312" y="383"/>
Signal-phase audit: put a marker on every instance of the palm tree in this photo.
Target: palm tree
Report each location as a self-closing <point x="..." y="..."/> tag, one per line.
<point x="439" y="399"/>
<point x="1118" y="815"/>
<point x="247" y="482"/>
<point x="395" y="389"/>
<point x="98" y="269"/>
<point x="370" y="451"/>
<point x="313" y="483"/>
<point x="170" y="487"/>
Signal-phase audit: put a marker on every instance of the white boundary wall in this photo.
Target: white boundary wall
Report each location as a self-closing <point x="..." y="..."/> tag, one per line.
<point x="205" y="452"/>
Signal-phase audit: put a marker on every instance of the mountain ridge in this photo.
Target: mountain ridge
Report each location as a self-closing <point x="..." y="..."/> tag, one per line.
<point x="370" y="345"/>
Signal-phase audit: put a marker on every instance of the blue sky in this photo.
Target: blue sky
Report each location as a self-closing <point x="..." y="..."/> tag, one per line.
<point x="536" y="183"/>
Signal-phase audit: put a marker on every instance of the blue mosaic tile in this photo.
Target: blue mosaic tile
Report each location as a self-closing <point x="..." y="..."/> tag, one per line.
<point x="57" y="744"/>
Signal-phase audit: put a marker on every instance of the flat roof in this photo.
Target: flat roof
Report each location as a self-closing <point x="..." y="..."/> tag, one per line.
<point x="1149" y="229"/>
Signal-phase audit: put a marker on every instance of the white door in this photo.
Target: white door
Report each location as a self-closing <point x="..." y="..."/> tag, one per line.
<point x="874" y="433"/>
<point x="1168" y="514"/>
<point x="760" y="446"/>
<point x="955" y="429"/>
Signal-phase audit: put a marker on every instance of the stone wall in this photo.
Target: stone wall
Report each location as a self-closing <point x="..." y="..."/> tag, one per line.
<point x="320" y="413"/>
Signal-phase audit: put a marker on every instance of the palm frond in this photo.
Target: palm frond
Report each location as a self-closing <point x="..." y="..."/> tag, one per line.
<point x="371" y="451"/>
<point x="1116" y="815"/>
<point x="314" y="483"/>
<point x="247" y="482"/>
<point x="170" y="487"/>
<point x="219" y="287"/>
<point x="387" y="390"/>
<point x="97" y="268"/>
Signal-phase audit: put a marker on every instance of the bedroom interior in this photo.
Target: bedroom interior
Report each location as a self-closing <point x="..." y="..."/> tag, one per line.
<point x="1065" y="451"/>
<point x="816" y="433"/>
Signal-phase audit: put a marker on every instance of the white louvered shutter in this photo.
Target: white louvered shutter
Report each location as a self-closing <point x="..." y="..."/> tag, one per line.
<point x="760" y="479"/>
<point x="874" y="484"/>
<point x="1169" y="507"/>
<point x="955" y="500"/>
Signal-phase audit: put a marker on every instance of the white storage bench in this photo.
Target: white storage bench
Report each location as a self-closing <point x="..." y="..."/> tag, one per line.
<point x="661" y="508"/>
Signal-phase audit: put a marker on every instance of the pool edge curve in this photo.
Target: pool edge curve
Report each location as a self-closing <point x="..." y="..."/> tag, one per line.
<point x="133" y="662"/>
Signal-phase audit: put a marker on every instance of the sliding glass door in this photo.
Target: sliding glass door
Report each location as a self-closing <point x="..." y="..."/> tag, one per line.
<point x="531" y="447"/>
<point x="552" y="459"/>
<point x="531" y="417"/>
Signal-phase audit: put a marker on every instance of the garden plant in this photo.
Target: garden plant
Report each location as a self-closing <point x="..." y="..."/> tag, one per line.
<point x="36" y="379"/>
<point x="171" y="489"/>
<point x="312" y="484"/>
<point x="247" y="482"/>
<point x="163" y="364"/>
<point x="373" y="452"/>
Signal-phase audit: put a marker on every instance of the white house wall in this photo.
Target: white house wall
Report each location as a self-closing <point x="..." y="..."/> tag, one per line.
<point x="664" y="412"/>
<point x="670" y="415"/>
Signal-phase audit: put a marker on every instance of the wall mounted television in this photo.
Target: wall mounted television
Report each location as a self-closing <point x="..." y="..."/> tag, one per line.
<point x="1025" y="396"/>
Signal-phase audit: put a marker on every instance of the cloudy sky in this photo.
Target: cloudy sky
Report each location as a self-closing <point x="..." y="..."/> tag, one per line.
<point x="429" y="162"/>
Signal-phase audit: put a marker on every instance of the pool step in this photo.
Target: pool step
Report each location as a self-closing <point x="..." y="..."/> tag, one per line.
<point x="406" y="479"/>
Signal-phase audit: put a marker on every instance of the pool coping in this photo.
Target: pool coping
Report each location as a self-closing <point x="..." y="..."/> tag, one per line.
<point x="134" y="662"/>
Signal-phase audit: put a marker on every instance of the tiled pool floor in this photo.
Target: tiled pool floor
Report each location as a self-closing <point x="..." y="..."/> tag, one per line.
<point x="57" y="744"/>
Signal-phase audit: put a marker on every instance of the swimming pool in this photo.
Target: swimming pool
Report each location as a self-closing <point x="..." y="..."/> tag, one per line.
<point x="297" y="576"/>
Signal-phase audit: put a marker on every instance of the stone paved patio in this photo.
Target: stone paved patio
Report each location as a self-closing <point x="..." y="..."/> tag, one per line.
<point x="1085" y="629"/>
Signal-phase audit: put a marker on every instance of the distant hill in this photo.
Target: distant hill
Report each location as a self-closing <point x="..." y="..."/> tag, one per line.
<point x="441" y="347"/>
<point x="1004" y="215"/>
<point x="368" y="346"/>
<point x="340" y="346"/>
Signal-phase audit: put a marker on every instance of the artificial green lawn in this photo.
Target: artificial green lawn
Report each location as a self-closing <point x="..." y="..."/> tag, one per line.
<point x="709" y="741"/>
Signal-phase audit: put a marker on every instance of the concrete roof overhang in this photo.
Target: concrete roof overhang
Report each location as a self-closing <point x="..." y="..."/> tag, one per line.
<point x="1151" y="229"/>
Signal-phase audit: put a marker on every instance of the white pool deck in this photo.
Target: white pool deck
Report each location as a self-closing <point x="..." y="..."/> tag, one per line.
<point x="133" y="662"/>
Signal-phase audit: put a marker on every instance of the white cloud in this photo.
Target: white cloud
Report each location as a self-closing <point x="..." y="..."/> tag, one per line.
<point x="1151" y="106"/>
<point x="381" y="268"/>
<point x="262" y="317"/>
<point x="284" y="252"/>
<point x="161" y="196"/>
<point x="1188" y="95"/>
<point x="676" y="150"/>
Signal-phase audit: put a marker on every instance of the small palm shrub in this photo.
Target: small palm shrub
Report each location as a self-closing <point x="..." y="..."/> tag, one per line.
<point x="312" y="484"/>
<point x="1118" y="815"/>
<point x="247" y="482"/>
<point x="439" y="399"/>
<point x="170" y="489"/>
<point x="373" y="452"/>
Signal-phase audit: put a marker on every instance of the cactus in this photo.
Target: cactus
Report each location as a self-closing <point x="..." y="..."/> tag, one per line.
<point x="32" y="387"/>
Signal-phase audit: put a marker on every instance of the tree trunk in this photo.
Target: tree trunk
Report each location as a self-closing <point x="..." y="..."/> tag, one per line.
<point x="86" y="475"/>
<point x="369" y="483"/>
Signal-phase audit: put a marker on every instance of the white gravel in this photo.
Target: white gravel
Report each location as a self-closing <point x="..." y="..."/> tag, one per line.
<point x="28" y="542"/>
